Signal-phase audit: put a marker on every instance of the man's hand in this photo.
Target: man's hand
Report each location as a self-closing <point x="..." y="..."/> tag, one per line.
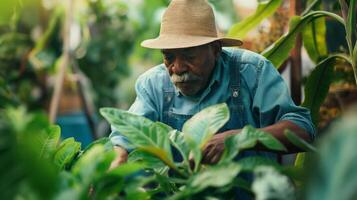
<point x="214" y="149"/>
<point x="121" y="157"/>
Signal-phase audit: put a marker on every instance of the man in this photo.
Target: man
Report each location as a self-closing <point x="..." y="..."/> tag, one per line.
<point x="197" y="73"/>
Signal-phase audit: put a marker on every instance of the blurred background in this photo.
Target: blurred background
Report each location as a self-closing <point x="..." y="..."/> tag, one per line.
<point x="70" y="58"/>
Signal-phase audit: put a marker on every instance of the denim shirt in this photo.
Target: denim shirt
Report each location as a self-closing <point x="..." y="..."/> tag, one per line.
<point x="253" y="89"/>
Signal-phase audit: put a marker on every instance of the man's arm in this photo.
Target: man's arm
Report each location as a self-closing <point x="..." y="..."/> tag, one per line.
<point x="215" y="147"/>
<point x="273" y="110"/>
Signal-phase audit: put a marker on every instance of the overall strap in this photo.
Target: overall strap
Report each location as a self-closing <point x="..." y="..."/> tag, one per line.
<point x="234" y="83"/>
<point x="168" y="96"/>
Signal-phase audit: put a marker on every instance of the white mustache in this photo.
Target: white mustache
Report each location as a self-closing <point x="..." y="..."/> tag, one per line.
<point x="185" y="77"/>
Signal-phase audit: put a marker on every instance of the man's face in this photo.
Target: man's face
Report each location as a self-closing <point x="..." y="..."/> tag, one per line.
<point x="190" y="69"/>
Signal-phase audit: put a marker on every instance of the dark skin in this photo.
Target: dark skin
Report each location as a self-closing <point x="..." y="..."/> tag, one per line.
<point x="201" y="62"/>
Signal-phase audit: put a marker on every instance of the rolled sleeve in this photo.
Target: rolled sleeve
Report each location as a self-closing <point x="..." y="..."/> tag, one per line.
<point x="272" y="101"/>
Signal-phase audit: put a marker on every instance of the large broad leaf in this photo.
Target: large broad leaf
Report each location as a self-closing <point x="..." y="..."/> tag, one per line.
<point x="314" y="37"/>
<point x="202" y="126"/>
<point x="264" y="10"/>
<point x="333" y="172"/>
<point x="48" y="140"/>
<point x="66" y="152"/>
<point x="247" y="139"/>
<point x="217" y="176"/>
<point x="279" y="51"/>
<point x="317" y="86"/>
<point x="142" y="133"/>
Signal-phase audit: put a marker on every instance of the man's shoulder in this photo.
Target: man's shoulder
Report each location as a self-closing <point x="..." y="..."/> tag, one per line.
<point x="155" y="74"/>
<point x="154" y="81"/>
<point x="244" y="56"/>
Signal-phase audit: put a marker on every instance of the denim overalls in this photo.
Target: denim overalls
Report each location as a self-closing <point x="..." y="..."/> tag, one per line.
<point x="234" y="102"/>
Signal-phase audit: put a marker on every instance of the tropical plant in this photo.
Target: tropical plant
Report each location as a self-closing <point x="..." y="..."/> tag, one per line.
<point x="153" y="142"/>
<point x="37" y="165"/>
<point x="312" y="26"/>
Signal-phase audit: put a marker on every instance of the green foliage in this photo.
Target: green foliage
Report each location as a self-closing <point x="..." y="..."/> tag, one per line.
<point x="298" y="142"/>
<point x="314" y="39"/>
<point x="196" y="132"/>
<point x="317" y="86"/>
<point x="214" y="177"/>
<point x="24" y="173"/>
<point x="278" y="52"/>
<point x="202" y="126"/>
<point x="264" y="10"/>
<point x="332" y="174"/>
<point x="66" y="152"/>
<point x="247" y="139"/>
<point x="149" y="137"/>
<point x="105" y="52"/>
<point x="9" y="8"/>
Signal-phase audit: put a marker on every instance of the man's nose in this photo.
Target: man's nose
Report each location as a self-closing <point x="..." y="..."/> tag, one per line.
<point x="179" y="66"/>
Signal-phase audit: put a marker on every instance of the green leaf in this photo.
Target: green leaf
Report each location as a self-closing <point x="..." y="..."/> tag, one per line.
<point x="247" y="139"/>
<point x="354" y="61"/>
<point x="202" y="126"/>
<point x="317" y="86"/>
<point x="92" y="164"/>
<point x="300" y="160"/>
<point x="112" y="182"/>
<point x="354" y="58"/>
<point x="251" y="163"/>
<point x="216" y="176"/>
<point x="332" y="173"/>
<point x="264" y="10"/>
<point x="299" y="142"/>
<point x="148" y="160"/>
<point x="48" y="141"/>
<point x="66" y="152"/>
<point x="178" y="141"/>
<point x="144" y="134"/>
<point x="105" y="141"/>
<point x="350" y="20"/>
<point x="314" y="37"/>
<point x="279" y="51"/>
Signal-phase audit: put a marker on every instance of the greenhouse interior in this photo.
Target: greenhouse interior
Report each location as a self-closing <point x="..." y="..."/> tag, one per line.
<point x="178" y="99"/>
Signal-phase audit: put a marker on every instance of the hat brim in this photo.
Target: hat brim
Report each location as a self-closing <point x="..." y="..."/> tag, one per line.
<point x="185" y="41"/>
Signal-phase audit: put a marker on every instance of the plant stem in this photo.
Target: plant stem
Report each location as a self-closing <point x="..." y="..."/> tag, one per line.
<point x="310" y="7"/>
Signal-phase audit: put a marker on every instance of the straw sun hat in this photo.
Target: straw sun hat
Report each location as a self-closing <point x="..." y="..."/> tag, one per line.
<point x="188" y="23"/>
